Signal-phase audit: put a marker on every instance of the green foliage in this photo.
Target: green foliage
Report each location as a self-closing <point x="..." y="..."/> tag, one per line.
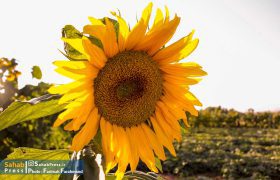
<point x="228" y="153"/>
<point x="30" y="91"/>
<point x="22" y="111"/>
<point x="38" y="154"/>
<point x="37" y="133"/>
<point x="71" y="32"/>
<point x="36" y="72"/>
<point x="158" y="164"/>
<point x="35" y="154"/>
<point x="222" y="117"/>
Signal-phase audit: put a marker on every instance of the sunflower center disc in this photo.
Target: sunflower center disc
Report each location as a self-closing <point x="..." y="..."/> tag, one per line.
<point x="127" y="88"/>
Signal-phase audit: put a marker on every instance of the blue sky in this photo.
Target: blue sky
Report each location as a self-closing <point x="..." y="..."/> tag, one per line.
<point x="239" y="42"/>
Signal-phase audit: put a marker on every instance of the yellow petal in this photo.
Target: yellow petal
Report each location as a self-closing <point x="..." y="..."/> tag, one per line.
<point x="76" y="85"/>
<point x="186" y="51"/>
<point x="134" y="150"/>
<point x="166" y="14"/>
<point x="169" y="131"/>
<point x="74" y="95"/>
<point x="177" y="80"/>
<point x="109" y="156"/>
<point x="153" y="141"/>
<point x="125" y="154"/>
<point x="83" y="115"/>
<point x="138" y="31"/>
<point x="96" y="55"/>
<point x="71" y="111"/>
<point x="145" y="152"/>
<point x="89" y="130"/>
<point x="191" y="97"/>
<point x="123" y="32"/>
<point x="174" y="109"/>
<point x="97" y="31"/>
<point x="72" y="64"/>
<point x="95" y="21"/>
<point x="182" y="69"/>
<point x="119" y="175"/>
<point x="69" y="126"/>
<point x="110" y="40"/>
<point x="89" y="72"/>
<point x="64" y="116"/>
<point x="170" y="119"/>
<point x="162" y="137"/>
<point x="153" y="41"/>
<point x="109" y="128"/>
<point x="174" y="48"/>
<point x="186" y="122"/>
<point x="184" y="104"/>
<point x="159" y="20"/>
<point x="75" y="43"/>
<point x="104" y="134"/>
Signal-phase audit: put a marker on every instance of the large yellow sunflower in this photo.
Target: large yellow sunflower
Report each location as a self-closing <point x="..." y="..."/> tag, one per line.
<point x="132" y="88"/>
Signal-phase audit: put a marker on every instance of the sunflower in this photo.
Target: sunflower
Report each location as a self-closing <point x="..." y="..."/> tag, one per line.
<point x="131" y="87"/>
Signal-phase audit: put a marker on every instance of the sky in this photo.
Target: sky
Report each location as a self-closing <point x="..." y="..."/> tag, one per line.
<point x="239" y="42"/>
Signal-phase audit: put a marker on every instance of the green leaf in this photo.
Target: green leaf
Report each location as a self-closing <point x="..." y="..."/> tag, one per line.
<point x="158" y="164"/>
<point x="24" y="153"/>
<point x="36" y="72"/>
<point x="38" y="154"/>
<point x="71" y="32"/>
<point x="23" y="111"/>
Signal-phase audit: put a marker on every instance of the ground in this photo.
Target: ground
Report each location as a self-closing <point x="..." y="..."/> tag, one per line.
<point x="226" y="153"/>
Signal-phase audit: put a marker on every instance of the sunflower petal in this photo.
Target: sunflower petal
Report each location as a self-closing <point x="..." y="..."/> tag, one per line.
<point x="162" y="137"/>
<point x="145" y="152"/>
<point x="109" y="41"/>
<point x="169" y="131"/>
<point x="89" y="72"/>
<point x="83" y="115"/>
<point x="138" y="31"/>
<point x="125" y="154"/>
<point x="75" y="85"/>
<point x="74" y="95"/>
<point x="96" y="55"/>
<point x="174" y="48"/>
<point x="183" y="69"/>
<point x="186" y="51"/>
<point x="64" y="116"/>
<point x="95" y="21"/>
<point x="109" y="155"/>
<point x="153" y="141"/>
<point x="159" y="20"/>
<point x="123" y="32"/>
<point x="97" y="31"/>
<point x="154" y="40"/>
<point x="75" y="43"/>
<point x="170" y="119"/>
<point x="89" y="130"/>
<point x="134" y="152"/>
